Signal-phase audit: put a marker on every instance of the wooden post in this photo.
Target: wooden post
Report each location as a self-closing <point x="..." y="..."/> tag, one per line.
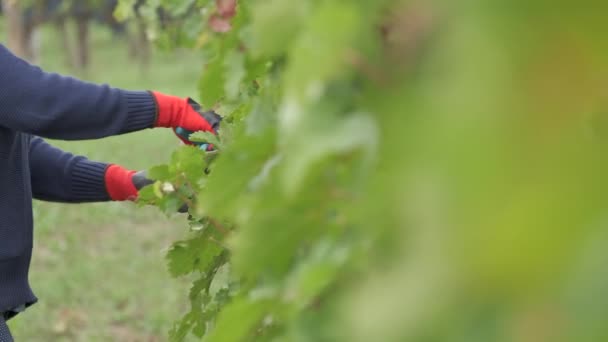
<point x="15" y="27"/>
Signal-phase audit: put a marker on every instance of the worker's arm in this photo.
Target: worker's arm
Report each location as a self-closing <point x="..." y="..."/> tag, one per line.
<point x="55" y="106"/>
<point x="59" y="176"/>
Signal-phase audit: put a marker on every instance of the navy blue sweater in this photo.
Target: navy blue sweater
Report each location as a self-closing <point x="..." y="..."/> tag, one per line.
<point x="35" y="104"/>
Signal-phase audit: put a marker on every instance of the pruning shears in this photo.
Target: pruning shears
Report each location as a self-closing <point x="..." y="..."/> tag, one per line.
<point x="212" y="117"/>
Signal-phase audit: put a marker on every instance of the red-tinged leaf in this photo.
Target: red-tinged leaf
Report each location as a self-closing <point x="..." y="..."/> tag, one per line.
<point x="226" y="8"/>
<point x="219" y="24"/>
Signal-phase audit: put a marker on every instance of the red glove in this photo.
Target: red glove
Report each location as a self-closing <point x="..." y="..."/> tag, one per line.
<point x="176" y="112"/>
<point x="119" y="183"/>
<point x="123" y="184"/>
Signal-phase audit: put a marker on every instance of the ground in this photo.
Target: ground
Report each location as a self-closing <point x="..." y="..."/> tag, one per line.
<point x="99" y="269"/>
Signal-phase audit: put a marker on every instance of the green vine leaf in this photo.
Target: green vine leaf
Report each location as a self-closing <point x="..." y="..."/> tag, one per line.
<point x="207" y="137"/>
<point x="196" y="254"/>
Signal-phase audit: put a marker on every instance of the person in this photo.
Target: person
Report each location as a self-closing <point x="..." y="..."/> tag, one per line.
<point x="35" y="105"/>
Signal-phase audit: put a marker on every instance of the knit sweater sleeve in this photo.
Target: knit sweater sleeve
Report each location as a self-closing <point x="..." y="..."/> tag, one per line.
<point x="54" y="106"/>
<point x="58" y="176"/>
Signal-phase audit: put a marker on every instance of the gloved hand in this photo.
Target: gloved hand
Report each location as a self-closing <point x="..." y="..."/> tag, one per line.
<point x="212" y="117"/>
<point x="174" y="112"/>
<point x="123" y="184"/>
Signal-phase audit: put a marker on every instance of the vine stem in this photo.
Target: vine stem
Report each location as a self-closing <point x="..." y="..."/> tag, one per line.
<point x="186" y="200"/>
<point x="186" y="183"/>
<point x="219" y="243"/>
<point x="218" y="226"/>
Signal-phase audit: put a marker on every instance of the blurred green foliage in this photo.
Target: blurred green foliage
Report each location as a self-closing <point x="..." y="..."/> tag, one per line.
<point x="395" y="170"/>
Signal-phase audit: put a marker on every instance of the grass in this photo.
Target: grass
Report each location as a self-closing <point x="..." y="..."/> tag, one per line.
<point x="99" y="269"/>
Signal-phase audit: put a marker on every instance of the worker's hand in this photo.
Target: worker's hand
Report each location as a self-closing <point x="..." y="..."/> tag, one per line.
<point x="174" y="112"/>
<point x="212" y="117"/>
<point x="124" y="185"/>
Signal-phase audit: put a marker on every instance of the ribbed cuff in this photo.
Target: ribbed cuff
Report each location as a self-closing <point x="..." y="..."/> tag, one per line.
<point x="141" y="108"/>
<point x="88" y="182"/>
